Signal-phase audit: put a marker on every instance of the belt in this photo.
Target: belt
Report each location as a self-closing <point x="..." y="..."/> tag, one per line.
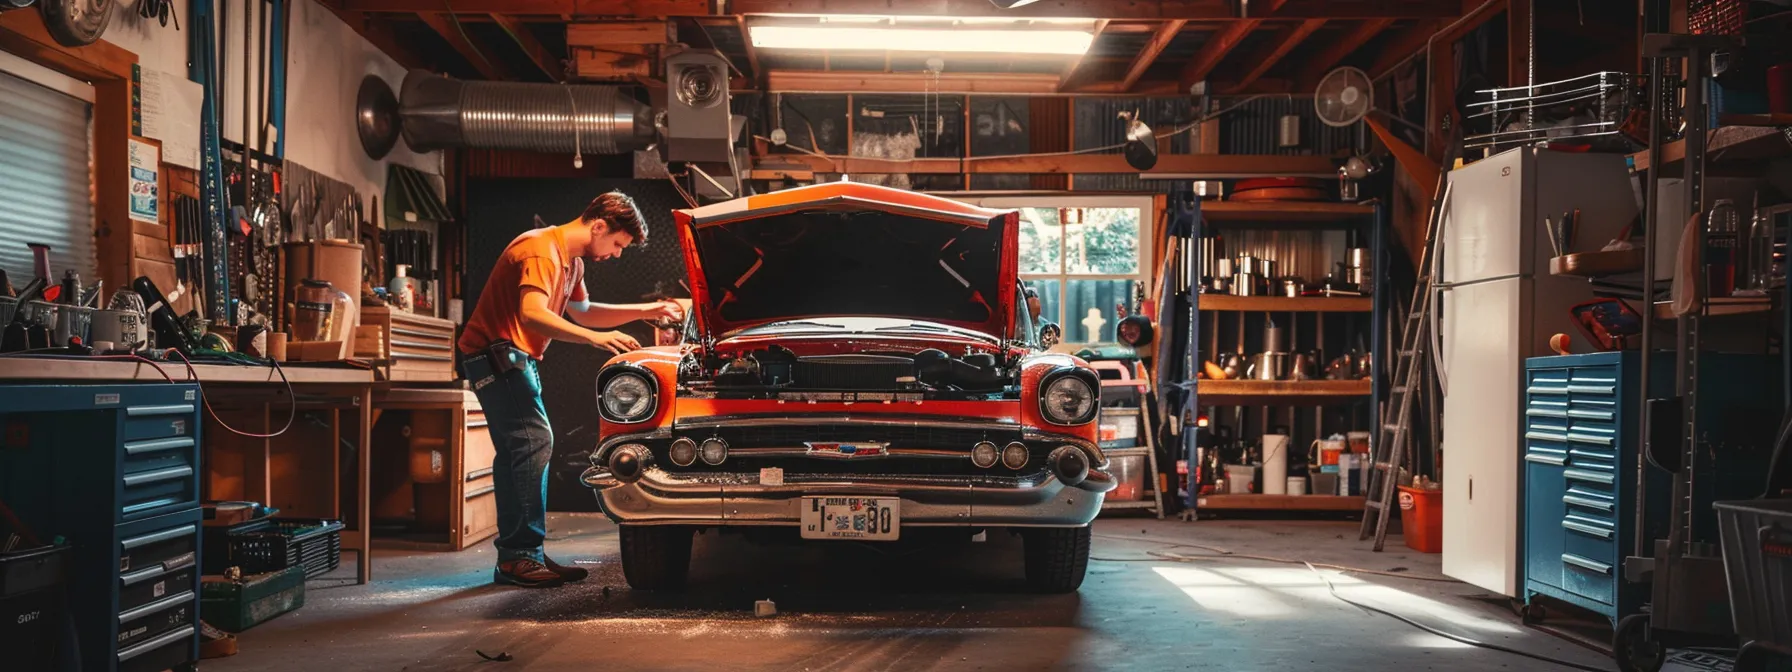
<point x="488" y="363"/>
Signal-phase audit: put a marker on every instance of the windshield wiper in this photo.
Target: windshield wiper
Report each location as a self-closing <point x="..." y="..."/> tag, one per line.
<point x="922" y="327"/>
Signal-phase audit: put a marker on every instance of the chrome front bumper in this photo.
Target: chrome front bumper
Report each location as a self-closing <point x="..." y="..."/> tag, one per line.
<point x="663" y="498"/>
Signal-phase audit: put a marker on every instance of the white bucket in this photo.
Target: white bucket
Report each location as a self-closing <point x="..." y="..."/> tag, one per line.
<point x="1239" y="478"/>
<point x="1297" y="485"/>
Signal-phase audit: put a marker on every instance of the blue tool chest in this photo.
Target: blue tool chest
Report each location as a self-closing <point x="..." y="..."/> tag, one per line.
<point x="1581" y="454"/>
<point x="114" y="471"/>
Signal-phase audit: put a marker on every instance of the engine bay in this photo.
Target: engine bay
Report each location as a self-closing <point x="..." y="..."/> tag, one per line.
<point x="777" y="372"/>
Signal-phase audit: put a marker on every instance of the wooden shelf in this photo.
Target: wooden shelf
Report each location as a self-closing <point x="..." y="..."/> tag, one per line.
<point x="1283" y="211"/>
<point x="1279" y="392"/>
<point x="1597" y="264"/>
<point x="1278" y="503"/>
<point x="1736" y="143"/>
<point x="1280" y="304"/>
<point x="1782" y="119"/>
<point x="1735" y="305"/>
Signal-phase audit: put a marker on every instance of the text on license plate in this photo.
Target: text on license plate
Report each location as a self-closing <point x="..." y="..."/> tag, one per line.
<point x="868" y="518"/>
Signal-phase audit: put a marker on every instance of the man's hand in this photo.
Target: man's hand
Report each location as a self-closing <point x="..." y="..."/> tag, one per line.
<point x="614" y="341"/>
<point x="668" y="311"/>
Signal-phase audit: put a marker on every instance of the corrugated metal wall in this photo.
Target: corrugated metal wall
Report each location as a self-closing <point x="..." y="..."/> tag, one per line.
<point x="1098" y="124"/>
<point x="1253" y="127"/>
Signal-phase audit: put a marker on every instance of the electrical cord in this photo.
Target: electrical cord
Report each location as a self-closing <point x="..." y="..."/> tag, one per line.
<point x="463" y="35"/>
<point x="1446" y="635"/>
<point x="292" y="411"/>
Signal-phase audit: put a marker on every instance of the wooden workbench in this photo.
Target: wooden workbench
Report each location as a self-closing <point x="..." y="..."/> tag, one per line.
<point x="248" y="388"/>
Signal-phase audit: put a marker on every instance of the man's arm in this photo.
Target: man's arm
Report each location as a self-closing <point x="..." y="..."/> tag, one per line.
<point x="541" y="320"/>
<point x="610" y="315"/>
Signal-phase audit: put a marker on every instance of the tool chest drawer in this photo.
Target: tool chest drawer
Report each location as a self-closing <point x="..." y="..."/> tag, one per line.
<point x="114" y="470"/>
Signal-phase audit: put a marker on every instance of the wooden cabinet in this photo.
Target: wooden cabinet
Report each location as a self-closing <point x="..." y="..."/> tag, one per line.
<point x="432" y="482"/>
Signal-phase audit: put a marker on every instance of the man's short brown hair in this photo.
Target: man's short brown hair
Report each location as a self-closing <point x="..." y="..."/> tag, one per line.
<point x="619" y="212"/>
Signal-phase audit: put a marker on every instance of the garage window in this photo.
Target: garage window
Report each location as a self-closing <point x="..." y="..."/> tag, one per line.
<point x="1082" y="255"/>
<point x="45" y="154"/>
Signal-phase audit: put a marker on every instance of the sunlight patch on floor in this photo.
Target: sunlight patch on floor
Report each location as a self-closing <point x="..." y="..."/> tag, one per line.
<point x="1277" y="592"/>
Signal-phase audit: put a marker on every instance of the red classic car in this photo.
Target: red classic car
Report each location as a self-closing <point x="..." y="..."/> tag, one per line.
<point x="858" y="365"/>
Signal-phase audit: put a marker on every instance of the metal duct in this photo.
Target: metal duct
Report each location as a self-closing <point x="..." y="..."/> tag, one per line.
<point x="440" y="112"/>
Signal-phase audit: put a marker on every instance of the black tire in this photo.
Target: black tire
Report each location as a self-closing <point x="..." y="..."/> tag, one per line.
<point x="1635" y="648"/>
<point x="1057" y="558"/>
<point x="655" y="557"/>
<point x="1752" y="657"/>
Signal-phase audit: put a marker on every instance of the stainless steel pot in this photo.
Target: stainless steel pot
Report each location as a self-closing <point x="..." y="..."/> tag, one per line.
<point x="1292" y="287"/>
<point x="1268" y="366"/>
<point x="1245" y="284"/>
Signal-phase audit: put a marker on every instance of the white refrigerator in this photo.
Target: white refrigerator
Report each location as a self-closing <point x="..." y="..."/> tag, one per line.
<point x="1500" y="305"/>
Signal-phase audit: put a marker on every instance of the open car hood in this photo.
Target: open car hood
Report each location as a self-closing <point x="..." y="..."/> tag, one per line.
<point x="849" y="249"/>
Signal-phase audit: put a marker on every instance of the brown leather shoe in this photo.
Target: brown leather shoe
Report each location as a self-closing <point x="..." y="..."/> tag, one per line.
<point x="526" y="573"/>
<point x="567" y="574"/>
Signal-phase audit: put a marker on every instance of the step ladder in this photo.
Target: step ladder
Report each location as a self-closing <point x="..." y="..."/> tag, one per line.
<point x="1393" y="445"/>
<point x="1146" y="443"/>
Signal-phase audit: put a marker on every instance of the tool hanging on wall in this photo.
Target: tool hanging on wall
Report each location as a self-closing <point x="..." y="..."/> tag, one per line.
<point x="205" y="69"/>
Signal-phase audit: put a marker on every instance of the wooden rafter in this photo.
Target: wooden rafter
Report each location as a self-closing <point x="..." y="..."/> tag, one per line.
<point x="462" y="43"/>
<point x="538" y="53"/>
<point x="740" y="22"/>
<point x="1338" y="50"/>
<point x="379" y="34"/>
<point x="1160" y="39"/>
<point x="1401" y="46"/>
<point x="1065" y="80"/>
<point x="1158" y="10"/>
<point x="1292" y="39"/>
<point x="1218" y="45"/>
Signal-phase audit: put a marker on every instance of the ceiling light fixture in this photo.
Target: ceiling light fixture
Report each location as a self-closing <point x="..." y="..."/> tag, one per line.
<point x="838" y="38"/>
<point x="1011" y="4"/>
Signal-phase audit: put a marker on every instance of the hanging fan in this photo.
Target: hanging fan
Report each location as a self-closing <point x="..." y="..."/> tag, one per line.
<point x="1344" y="97"/>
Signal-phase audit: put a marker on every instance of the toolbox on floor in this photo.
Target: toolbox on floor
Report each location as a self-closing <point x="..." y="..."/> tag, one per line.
<point x="274" y="544"/>
<point x="237" y="605"/>
<point x="31" y="605"/>
<point x="1757" y="544"/>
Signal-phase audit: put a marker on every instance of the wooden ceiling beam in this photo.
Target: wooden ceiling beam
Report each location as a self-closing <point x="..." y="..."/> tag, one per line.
<point x="1289" y="41"/>
<point x="1340" y="49"/>
<point x="1157" y="10"/>
<point x="1401" y="46"/>
<point x="1147" y="56"/>
<point x="462" y="43"/>
<point x="1070" y="68"/>
<point x="843" y="81"/>
<point x="740" y="23"/>
<point x="379" y="33"/>
<point x="1111" y="164"/>
<point x="546" y="61"/>
<point x="1218" y="45"/>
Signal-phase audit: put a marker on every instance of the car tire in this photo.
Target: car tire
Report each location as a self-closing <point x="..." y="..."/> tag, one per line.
<point x="655" y="557"/>
<point x="1057" y="558"/>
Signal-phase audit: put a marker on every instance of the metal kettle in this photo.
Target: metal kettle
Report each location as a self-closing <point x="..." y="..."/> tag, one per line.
<point x="1267" y="366"/>
<point x="1302" y="366"/>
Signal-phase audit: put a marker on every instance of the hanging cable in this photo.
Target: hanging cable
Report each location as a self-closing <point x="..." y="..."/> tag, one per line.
<point x="292" y="409"/>
<point x="578" y="154"/>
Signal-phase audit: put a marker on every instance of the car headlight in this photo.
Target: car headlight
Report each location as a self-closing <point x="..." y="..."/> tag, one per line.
<point x="1068" y="400"/>
<point x="627" y="397"/>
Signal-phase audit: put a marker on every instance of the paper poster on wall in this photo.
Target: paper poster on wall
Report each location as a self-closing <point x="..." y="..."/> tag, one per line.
<point x="144" y="162"/>
<point x="169" y="107"/>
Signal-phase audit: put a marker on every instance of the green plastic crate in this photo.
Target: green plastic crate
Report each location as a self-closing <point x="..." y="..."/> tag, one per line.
<point x="235" y="606"/>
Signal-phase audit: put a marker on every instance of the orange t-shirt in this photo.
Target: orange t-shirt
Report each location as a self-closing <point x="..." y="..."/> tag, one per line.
<point x="536" y="259"/>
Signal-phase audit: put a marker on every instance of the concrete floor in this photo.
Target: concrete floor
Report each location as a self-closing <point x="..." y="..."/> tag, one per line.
<point x="847" y="607"/>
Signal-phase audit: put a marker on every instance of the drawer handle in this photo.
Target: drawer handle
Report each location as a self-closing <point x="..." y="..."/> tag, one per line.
<point x="1585" y="563"/>
<point x="425" y="334"/>
<point x="1584" y="528"/>
<point x="158" y="475"/>
<point x="481" y="491"/>
<point x="1545" y="458"/>
<point x="1596" y="439"/>
<point x="171" y="409"/>
<point x="1590" y="455"/>
<point x="429" y="358"/>
<point x="164" y="535"/>
<point x="1589" y="476"/>
<point x="1546" y="413"/>
<point x="157" y="445"/>
<point x="175" y="564"/>
<point x="1544" y="389"/>
<point x="172" y="636"/>
<point x="151" y="504"/>
<point x="423" y="346"/>
<point x="163" y="604"/>
<point x="1591" y="415"/>
<point x="1586" y="502"/>
<point x="1592" y="389"/>
<point x="477" y="423"/>
<point x="1545" y="436"/>
<point x="478" y="474"/>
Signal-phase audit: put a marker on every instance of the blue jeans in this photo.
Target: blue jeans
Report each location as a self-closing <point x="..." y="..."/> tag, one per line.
<point x="518" y="423"/>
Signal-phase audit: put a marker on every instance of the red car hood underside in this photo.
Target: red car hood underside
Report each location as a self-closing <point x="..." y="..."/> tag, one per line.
<point x="849" y="249"/>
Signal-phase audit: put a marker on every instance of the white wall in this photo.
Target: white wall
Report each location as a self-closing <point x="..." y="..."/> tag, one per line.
<point x="326" y="61"/>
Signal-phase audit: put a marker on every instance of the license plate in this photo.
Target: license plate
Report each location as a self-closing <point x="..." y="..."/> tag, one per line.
<point x="865" y="518"/>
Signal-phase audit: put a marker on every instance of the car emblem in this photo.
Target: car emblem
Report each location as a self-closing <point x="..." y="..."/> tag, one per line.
<point x="847" y="451"/>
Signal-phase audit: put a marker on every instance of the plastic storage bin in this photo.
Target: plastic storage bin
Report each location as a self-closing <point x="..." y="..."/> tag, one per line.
<point x="1422" y="519"/>
<point x="276" y="544"/>
<point x="1757" y="543"/>
<point x="1130" y="472"/>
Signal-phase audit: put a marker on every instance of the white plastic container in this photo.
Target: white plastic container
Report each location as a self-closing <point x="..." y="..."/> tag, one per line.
<point x="1239" y="478"/>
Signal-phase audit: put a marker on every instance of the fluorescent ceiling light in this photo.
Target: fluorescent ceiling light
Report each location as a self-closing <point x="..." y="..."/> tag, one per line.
<point x="842" y="38"/>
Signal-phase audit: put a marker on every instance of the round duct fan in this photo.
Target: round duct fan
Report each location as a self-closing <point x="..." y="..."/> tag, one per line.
<point x="1344" y="97"/>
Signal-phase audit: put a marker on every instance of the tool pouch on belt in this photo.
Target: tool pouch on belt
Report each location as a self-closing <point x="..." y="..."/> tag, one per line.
<point x="494" y="360"/>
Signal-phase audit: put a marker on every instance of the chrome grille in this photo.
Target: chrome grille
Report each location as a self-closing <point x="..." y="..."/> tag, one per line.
<point x="910" y="436"/>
